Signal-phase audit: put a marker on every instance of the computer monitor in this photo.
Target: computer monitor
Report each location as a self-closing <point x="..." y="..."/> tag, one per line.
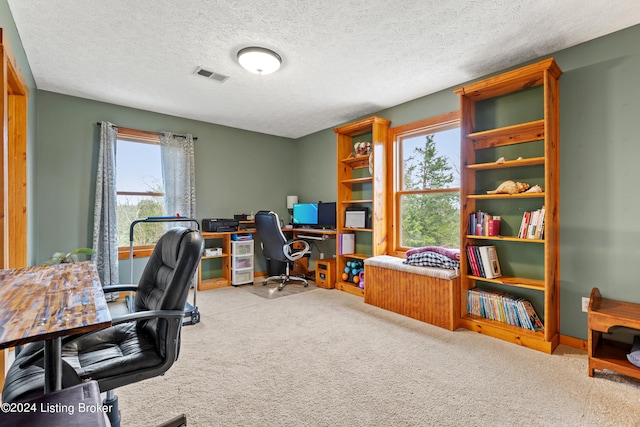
<point x="305" y="214"/>
<point x="327" y="215"/>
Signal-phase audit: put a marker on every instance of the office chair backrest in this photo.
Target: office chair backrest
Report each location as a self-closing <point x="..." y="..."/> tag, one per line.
<point x="270" y="233"/>
<point x="166" y="279"/>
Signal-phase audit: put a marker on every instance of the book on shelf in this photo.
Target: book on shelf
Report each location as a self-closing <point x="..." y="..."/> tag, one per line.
<point x="473" y="264"/>
<point x="540" y="224"/>
<point x="346" y="244"/>
<point x="532" y="224"/>
<point x="531" y="228"/>
<point x="483" y="261"/>
<point x="490" y="262"/>
<point x="483" y="224"/>
<point x="476" y="255"/>
<point x="503" y="307"/>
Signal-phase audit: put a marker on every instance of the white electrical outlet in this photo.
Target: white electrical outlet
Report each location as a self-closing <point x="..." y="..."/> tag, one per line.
<point x="585" y="304"/>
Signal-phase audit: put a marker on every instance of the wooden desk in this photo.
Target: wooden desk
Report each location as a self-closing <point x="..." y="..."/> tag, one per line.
<point x="47" y="303"/>
<point x="224" y="239"/>
<point x="301" y="267"/>
<point x="331" y="234"/>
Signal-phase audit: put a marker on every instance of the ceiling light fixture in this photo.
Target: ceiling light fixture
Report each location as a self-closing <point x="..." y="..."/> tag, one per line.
<point x="259" y="60"/>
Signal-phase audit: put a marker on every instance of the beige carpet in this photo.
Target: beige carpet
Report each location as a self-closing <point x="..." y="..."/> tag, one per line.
<point x="325" y="358"/>
<point x="270" y="290"/>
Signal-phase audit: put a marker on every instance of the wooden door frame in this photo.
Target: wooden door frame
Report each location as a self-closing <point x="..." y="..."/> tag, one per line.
<point x="13" y="165"/>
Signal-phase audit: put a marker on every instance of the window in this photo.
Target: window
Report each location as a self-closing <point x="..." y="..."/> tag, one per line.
<point x="426" y="202"/>
<point x="139" y="186"/>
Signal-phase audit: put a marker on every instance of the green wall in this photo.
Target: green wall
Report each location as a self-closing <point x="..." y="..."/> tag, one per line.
<point x="239" y="171"/>
<point x="236" y="171"/>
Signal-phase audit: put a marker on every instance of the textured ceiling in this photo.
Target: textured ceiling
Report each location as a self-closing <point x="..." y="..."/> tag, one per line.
<point x="342" y="59"/>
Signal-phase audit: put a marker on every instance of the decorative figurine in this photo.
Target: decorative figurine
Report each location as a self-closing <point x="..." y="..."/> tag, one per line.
<point x="535" y="189"/>
<point x="510" y="187"/>
<point x="362" y="148"/>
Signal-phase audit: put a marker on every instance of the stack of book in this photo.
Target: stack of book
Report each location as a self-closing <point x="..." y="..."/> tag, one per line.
<point x="532" y="225"/>
<point x="503" y="308"/>
<point x="483" y="261"/>
<point x="480" y="224"/>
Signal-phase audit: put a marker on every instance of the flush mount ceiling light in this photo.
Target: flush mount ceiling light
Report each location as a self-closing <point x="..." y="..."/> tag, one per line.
<point x="259" y="60"/>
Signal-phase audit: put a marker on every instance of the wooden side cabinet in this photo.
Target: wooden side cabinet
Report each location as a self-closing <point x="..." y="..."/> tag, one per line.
<point x="227" y="267"/>
<point x="604" y="314"/>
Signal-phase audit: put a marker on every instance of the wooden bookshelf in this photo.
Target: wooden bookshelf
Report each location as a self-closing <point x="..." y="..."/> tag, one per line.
<point x="532" y="145"/>
<point x="361" y="183"/>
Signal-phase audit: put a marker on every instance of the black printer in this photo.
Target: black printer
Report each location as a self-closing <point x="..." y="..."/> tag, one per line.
<point x="218" y="224"/>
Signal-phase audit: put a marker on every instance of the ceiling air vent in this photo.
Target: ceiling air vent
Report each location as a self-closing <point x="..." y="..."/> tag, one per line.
<point x="211" y="74"/>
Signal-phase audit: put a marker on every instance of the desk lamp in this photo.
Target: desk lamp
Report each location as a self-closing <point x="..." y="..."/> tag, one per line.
<point x="291" y="200"/>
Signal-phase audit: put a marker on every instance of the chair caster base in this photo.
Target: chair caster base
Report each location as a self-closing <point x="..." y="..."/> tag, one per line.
<point x="112" y="410"/>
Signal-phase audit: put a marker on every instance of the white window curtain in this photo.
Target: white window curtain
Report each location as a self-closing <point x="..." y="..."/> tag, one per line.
<point x="105" y="224"/>
<point x="178" y="174"/>
<point x="179" y="188"/>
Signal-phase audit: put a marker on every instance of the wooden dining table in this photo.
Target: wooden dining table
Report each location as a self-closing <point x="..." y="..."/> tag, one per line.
<point x="46" y="303"/>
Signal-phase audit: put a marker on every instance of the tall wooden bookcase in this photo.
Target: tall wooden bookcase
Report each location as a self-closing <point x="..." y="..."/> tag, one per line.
<point x="361" y="183"/>
<point x="513" y="115"/>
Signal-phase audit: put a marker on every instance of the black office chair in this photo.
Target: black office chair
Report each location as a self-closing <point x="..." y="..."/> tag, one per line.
<point x="275" y="246"/>
<point x="139" y="345"/>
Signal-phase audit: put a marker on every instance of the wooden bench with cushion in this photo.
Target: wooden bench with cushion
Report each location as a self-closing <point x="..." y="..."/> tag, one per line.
<point x="423" y="293"/>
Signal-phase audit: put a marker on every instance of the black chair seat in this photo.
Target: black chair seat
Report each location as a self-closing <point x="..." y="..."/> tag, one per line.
<point x="26" y="383"/>
<point x="118" y="351"/>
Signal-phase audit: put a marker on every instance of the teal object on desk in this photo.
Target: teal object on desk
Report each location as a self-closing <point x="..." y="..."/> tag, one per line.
<point x="238" y="237"/>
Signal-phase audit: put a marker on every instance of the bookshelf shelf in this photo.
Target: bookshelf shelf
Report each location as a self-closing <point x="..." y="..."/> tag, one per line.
<point x="502" y="330"/>
<point x="361" y="257"/>
<point x="213" y="283"/>
<point x="358" y="201"/>
<point x="503" y="238"/>
<point x="532" y="161"/>
<point x="530" y="130"/>
<point x="515" y="134"/>
<point x="350" y="288"/>
<point x="518" y="282"/>
<point x="359" y="162"/>
<point x="505" y="196"/>
<point x="357" y="180"/>
<point x="214" y="256"/>
<point x="504" y="326"/>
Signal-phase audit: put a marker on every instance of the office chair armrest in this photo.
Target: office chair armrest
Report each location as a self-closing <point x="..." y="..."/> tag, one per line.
<point x="299" y="253"/>
<point x="147" y="315"/>
<point x="119" y="288"/>
<point x="297" y="240"/>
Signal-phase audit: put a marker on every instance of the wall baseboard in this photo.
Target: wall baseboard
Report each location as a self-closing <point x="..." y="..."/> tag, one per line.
<point x="573" y="342"/>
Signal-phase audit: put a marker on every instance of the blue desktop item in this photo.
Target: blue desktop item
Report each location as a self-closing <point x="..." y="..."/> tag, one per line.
<point x="305" y="214"/>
